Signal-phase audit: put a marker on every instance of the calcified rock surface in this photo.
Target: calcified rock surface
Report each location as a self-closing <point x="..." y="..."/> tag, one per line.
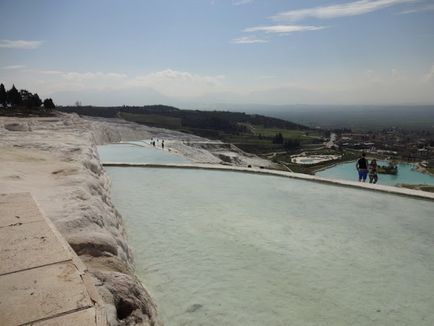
<point x="195" y="148"/>
<point x="56" y="160"/>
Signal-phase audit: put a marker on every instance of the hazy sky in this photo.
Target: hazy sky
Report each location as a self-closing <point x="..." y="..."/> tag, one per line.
<point x="180" y="52"/>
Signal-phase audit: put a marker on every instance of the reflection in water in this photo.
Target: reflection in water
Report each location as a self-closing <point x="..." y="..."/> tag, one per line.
<point x="225" y="248"/>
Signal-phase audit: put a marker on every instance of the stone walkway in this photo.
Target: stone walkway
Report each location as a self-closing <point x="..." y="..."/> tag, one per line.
<point x="42" y="281"/>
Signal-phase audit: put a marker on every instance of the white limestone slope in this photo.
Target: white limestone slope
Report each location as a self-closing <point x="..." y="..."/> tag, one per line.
<point x="195" y="148"/>
<point x="56" y="160"/>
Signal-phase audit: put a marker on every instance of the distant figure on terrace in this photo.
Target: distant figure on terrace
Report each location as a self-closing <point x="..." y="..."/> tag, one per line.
<point x="373" y="177"/>
<point x="362" y="168"/>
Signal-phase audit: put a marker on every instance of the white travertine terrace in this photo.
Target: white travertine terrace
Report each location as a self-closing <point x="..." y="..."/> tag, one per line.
<point x="42" y="281"/>
<point x="345" y="183"/>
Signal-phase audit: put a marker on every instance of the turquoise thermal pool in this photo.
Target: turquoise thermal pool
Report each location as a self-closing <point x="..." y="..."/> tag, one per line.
<point x="137" y="152"/>
<point x="406" y="174"/>
<point x="232" y="248"/>
<point x="227" y="248"/>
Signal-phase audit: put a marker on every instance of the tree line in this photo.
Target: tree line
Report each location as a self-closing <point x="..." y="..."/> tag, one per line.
<point x="289" y="144"/>
<point x="227" y="121"/>
<point x="23" y="102"/>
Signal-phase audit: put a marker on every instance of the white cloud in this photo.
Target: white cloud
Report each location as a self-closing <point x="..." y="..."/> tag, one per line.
<point x="248" y="40"/>
<point x="109" y="88"/>
<point x="50" y="72"/>
<point x="91" y="76"/>
<point x="178" y="83"/>
<point x="174" y="75"/>
<point x="13" y="67"/>
<point x="340" y="10"/>
<point x="241" y="2"/>
<point x="430" y="75"/>
<point x="168" y="82"/>
<point x="264" y="77"/>
<point x="20" y="44"/>
<point x="396" y="75"/>
<point x="425" y="7"/>
<point x="283" y="28"/>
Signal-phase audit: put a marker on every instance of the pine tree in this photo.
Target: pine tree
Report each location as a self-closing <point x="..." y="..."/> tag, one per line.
<point x="48" y="104"/>
<point x="37" y="102"/>
<point x="3" y="96"/>
<point x="13" y="96"/>
<point x="26" y="98"/>
<point x="278" y="139"/>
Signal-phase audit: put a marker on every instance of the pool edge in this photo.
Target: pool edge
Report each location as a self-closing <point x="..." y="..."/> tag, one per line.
<point x="338" y="182"/>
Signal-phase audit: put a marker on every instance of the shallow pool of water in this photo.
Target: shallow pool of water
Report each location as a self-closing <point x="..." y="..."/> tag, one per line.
<point x="406" y="174"/>
<point x="226" y="248"/>
<point x="137" y="152"/>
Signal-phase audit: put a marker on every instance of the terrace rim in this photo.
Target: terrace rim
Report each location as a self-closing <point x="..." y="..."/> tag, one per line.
<point x="262" y="171"/>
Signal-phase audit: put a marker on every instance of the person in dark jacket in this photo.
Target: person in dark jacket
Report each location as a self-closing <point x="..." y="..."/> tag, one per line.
<point x="373" y="177"/>
<point x="362" y="168"/>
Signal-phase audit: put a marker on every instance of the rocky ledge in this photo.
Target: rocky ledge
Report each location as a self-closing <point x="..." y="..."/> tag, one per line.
<point x="57" y="161"/>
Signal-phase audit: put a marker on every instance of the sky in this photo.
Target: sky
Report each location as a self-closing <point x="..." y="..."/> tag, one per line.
<point x="206" y="53"/>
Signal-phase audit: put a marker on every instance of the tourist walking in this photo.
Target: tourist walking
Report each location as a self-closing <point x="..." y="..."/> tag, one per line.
<point x="373" y="177"/>
<point x="362" y="168"/>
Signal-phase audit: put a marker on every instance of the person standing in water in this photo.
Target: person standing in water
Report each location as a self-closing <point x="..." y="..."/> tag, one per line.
<point x="362" y="168"/>
<point x="373" y="177"/>
<point x="162" y="144"/>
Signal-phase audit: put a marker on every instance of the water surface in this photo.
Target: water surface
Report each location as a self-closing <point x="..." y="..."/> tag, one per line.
<point x="138" y="152"/>
<point x="226" y="248"/>
<point x="406" y="174"/>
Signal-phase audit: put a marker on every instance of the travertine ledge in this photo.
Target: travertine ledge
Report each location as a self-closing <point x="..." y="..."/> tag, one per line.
<point x="56" y="160"/>
<point x="38" y="268"/>
<point x="344" y="183"/>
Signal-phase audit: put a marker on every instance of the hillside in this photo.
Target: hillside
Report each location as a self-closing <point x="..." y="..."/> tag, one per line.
<point x="184" y="118"/>
<point x="253" y="133"/>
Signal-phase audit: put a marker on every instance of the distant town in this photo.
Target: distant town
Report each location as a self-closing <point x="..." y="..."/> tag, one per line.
<point x="393" y="143"/>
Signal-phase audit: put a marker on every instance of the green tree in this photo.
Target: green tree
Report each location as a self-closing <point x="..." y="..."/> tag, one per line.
<point x="278" y="139"/>
<point x="48" y="104"/>
<point x="37" y="102"/>
<point x="291" y="144"/>
<point x="3" y="96"/>
<point x="26" y="98"/>
<point x="13" y="96"/>
<point x="30" y="101"/>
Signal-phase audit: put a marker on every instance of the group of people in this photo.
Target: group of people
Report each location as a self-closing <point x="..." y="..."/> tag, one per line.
<point x="153" y="142"/>
<point x="365" y="168"/>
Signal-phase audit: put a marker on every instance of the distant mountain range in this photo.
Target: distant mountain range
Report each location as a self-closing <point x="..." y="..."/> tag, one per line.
<point x="322" y="116"/>
<point x="169" y="116"/>
<point x="357" y="117"/>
